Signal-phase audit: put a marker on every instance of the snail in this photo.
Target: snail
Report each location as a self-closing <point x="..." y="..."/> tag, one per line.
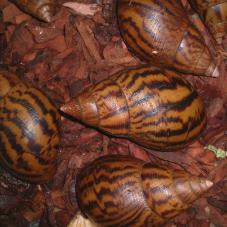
<point x="159" y="32"/>
<point x="42" y="9"/>
<point x="118" y="190"/>
<point x="29" y="133"/>
<point x="153" y="107"/>
<point x="214" y="14"/>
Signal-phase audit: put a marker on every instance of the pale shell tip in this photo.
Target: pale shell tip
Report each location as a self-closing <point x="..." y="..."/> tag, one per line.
<point x="205" y="185"/>
<point x="215" y="72"/>
<point x="67" y="108"/>
<point x="208" y="183"/>
<point x="63" y="108"/>
<point x="72" y="108"/>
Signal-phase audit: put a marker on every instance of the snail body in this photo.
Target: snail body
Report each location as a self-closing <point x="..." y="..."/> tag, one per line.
<point x="214" y="14"/>
<point x="42" y="9"/>
<point x="29" y="133"/>
<point x="160" y="32"/>
<point x="153" y="107"/>
<point x="120" y="190"/>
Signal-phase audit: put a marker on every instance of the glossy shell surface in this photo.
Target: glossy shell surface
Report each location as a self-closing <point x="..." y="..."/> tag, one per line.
<point x="160" y="32"/>
<point x="154" y="107"/>
<point x="29" y="133"/>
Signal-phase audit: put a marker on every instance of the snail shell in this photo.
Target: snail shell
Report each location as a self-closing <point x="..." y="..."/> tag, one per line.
<point x="29" y="133"/>
<point x="124" y="191"/>
<point x="161" y="33"/>
<point x="41" y="9"/>
<point x="154" y="107"/>
<point x="214" y="14"/>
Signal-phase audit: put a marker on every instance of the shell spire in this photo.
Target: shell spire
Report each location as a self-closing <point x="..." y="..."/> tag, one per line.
<point x="177" y="188"/>
<point x="83" y="108"/>
<point x="119" y="190"/>
<point x="41" y="9"/>
<point x="214" y="14"/>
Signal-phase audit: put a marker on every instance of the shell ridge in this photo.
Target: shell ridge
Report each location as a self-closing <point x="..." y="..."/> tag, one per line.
<point x="91" y="94"/>
<point x="122" y="92"/>
<point x="27" y="124"/>
<point x="178" y="47"/>
<point x="143" y="191"/>
<point x="197" y="62"/>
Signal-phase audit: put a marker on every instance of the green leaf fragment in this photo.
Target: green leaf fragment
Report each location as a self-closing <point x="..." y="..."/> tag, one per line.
<point x="219" y="153"/>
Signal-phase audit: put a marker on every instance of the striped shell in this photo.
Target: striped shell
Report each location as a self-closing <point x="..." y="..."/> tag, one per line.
<point x="124" y="191"/>
<point x="29" y="134"/>
<point x="154" y="107"/>
<point x="214" y="14"/>
<point x="41" y="9"/>
<point x="160" y="32"/>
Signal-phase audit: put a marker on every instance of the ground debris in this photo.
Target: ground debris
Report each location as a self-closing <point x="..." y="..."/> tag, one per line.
<point x="77" y="49"/>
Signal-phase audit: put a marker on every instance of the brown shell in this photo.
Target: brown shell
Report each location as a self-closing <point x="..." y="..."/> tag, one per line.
<point x="124" y="191"/>
<point x="41" y="9"/>
<point x="214" y="14"/>
<point x="153" y="107"/>
<point x="161" y="33"/>
<point x="29" y="133"/>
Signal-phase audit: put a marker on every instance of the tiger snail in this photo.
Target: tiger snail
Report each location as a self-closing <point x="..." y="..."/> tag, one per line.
<point x="153" y="107"/>
<point x="42" y="9"/>
<point x="214" y="14"/>
<point x="159" y="32"/>
<point x="29" y="132"/>
<point x="119" y="190"/>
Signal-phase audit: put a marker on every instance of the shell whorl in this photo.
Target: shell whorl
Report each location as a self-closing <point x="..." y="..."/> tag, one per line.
<point x="160" y="33"/>
<point x="214" y="14"/>
<point x="29" y="133"/>
<point x="41" y="9"/>
<point x="170" y="191"/>
<point x="153" y="107"/>
<point x="120" y="190"/>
